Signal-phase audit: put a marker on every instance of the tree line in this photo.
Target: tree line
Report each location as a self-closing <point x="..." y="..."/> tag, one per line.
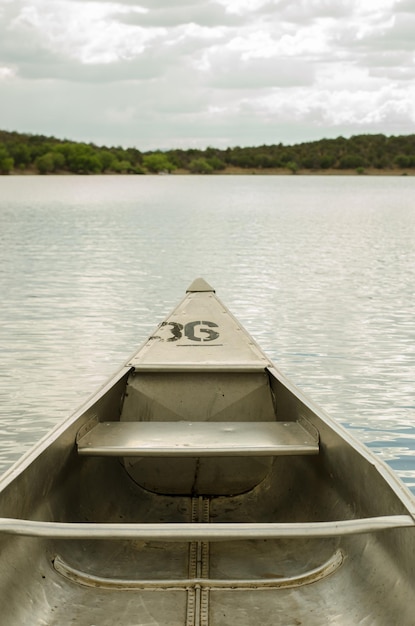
<point x="47" y="155"/>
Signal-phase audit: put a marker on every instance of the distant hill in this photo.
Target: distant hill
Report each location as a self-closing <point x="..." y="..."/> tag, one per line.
<point x="38" y="154"/>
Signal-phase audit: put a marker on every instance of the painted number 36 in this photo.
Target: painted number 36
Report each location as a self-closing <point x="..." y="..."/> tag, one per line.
<point x="195" y="331"/>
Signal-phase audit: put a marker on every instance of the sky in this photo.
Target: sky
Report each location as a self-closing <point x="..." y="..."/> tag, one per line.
<point x="162" y="74"/>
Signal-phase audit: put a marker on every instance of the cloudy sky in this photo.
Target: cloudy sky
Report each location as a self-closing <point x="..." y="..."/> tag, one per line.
<point x="194" y="73"/>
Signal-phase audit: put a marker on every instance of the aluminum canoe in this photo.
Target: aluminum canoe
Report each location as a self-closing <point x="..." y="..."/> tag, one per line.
<point x="199" y="487"/>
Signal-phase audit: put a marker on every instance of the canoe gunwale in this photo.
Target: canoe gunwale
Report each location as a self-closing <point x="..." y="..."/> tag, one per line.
<point x="387" y="474"/>
<point x="62" y="429"/>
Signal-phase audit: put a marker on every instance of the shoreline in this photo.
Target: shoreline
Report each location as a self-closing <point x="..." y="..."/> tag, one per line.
<point x="236" y="171"/>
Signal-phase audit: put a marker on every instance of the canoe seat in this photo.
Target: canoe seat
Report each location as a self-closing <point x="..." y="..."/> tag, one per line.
<point x="197" y="439"/>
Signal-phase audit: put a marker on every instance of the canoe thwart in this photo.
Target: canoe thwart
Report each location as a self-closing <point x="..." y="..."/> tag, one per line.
<point x="203" y="531"/>
<point x="190" y="439"/>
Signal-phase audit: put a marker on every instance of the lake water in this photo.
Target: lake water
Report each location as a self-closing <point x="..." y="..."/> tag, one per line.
<point x="320" y="270"/>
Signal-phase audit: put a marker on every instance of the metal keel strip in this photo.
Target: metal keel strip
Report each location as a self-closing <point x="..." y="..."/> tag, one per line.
<point x="197" y="597"/>
<point x="204" y="504"/>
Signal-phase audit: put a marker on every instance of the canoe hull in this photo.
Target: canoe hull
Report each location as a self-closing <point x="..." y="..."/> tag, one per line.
<point x="214" y="576"/>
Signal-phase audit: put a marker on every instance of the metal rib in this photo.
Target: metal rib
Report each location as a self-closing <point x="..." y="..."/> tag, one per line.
<point x="306" y="578"/>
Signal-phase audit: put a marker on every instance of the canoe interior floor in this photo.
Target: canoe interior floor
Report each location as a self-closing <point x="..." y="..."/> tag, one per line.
<point x="237" y="589"/>
<point x="206" y="584"/>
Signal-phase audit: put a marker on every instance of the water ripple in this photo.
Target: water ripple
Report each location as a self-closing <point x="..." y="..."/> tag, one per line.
<point x="320" y="270"/>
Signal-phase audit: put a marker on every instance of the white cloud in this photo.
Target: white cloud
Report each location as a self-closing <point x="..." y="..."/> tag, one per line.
<point x="242" y="7"/>
<point x="158" y="74"/>
<point x="307" y="11"/>
<point x="234" y="72"/>
<point x="208" y="14"/>
<point x="64" y="28"/>
<point x="405" y="6"/>
<point x="7" y="73"/>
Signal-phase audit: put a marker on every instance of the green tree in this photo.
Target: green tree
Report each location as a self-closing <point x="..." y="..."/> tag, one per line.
<point x="216" y="163"/>
<point x="352" y="162"/>
<point x="327" y="161"/>
<point x="6" y="161"/>
<point x="20" y="153"/>
<point x="292" y="166"/>
<point x="158" y="162"/>
<point x="6" y="165"/>
<point x="83" y="160"/>
<point x="50" y="162"/>
<point x="122" y="167"/>
<point x="200" y="166"/>
<point x="80" y="158"/>
<point x="179" y="158"/>
<point x="405" y="160"/>
<point x="107" y="160"/>
<point x="45" y="163"/>
<point x="310" y="162"/>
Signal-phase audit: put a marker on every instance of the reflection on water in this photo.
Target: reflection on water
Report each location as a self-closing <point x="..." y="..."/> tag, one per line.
<point x="320" y="270"/>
